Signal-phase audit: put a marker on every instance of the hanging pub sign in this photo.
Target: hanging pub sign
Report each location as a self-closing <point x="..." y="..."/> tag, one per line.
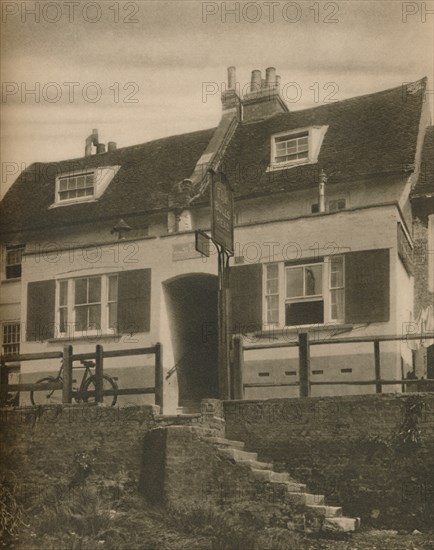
<point x="222" y="212"/>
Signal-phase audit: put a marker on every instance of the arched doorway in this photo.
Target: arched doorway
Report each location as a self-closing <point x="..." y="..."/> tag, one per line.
<point x="191" y="302"/>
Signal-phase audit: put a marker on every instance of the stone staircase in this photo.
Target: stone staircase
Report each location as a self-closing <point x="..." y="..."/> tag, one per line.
<point x="318" y="516"/>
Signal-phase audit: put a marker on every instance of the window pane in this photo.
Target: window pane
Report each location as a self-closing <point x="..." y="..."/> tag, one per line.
<point x="304" y="313"/>
<point x="273" y="309"/>
<point x="71" y="183"/>
<point x="81" y="291"/>
<point x="113" y="288"/>
<point x="63" y="293"/>
<point x="63" y="318"/>
<point x="81" y="318"/>
<point x="94" y="290"/>
<point x="313" y="280"/>
<point x="113" y="315"/>
<point x="294" y="282"/>
<point x="94" y="317"/>
<point x="336" y="272"/>
<point x="62" y="185"/>
<point x="272" y="286"/>
<point x="337" y="304"/>
<point x="80" y="182"/>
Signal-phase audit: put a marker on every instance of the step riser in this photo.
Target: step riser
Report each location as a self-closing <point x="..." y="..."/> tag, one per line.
<point x="305" y="498"/>
<point x="325" y="511"/>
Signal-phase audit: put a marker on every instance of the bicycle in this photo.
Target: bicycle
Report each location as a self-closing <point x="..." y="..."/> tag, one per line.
<point x="88" y="383"/>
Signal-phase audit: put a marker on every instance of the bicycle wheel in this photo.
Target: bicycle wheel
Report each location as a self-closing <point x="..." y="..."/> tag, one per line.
<point x="108" y="384"/>
<point x="46" y="397"/>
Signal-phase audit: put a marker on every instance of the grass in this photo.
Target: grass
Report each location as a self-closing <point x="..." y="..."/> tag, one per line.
<point x="85" y="521"/>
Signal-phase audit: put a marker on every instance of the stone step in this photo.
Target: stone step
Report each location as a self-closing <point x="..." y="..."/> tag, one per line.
<point x="226" y="442"/>
<point x="258" y="465"/>
<point x="289" y="486"/>
<point x="279" y="477"/>
<point x="305" y="498"/>
<point x="262" y="475"/>
<point x="325" y="511"/>
<point x="340" y="525"/>
<point x="237" y="454"/>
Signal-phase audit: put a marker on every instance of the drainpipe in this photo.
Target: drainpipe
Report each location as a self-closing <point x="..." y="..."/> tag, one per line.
<point x="322" y="182"/>
<point x="91" y="140"/>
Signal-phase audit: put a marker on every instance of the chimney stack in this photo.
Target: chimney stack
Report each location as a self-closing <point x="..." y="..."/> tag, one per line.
<point x="91" y="140"/>
<point x="230" y="99"/>
<point x="270" y="78"/>
<point x="263" y="98"/>
<point x="111" y="146"/>
<point x="256" y="81"/>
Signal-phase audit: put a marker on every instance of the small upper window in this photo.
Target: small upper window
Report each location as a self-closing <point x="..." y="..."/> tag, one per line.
<point x="296" y="147"/>
<point x="13" y="261"/>
<point x="83" y="186"/>
<point x="291" y="148"/>
<point x="74" y="187"/>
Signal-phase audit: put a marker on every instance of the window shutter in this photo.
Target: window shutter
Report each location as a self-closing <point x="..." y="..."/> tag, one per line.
<point x="134" y="301"/>
<point x="246" y="295"/>
<point x="40" y="310"/>
<point x="367" y="292"/>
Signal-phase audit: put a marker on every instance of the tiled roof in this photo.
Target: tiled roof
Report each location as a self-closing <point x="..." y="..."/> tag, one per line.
<point x="367" y="135"/>
<point x="425" y="184"/>
<point x="147" y="174"/>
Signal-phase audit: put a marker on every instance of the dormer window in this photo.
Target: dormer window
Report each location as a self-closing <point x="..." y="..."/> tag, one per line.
<point x="291" y="148"/>
<point x="83" y="186"/>
<point x="74" y="187"/>
<point x="296" y="147"/>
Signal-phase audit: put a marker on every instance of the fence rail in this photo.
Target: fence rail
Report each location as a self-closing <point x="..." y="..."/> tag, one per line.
<point x="68" y="357"/>
<point x="305" y="383"/>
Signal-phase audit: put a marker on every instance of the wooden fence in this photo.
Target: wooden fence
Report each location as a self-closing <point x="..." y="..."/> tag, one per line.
<point x="305" y="382"/>
<point x="68" y="357"/>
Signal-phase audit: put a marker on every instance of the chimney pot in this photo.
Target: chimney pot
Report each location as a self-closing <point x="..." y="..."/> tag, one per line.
<point x="270" y="76"/>
<point x="111" y="146"/>
<point x="100" y="148"/>
<point x="256" y="81"/>
<point x="231" y="78"/>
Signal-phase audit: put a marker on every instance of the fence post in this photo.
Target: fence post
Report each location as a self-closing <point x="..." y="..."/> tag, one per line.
<point x="99" y="368"/>
<point x="158" y="375"/>
<point x="67" y="375"/>
<point x="4" y="381"/>
<point x="238" y="387"/>
<point x="304" y="363"/>
<point x="378" y="386"/>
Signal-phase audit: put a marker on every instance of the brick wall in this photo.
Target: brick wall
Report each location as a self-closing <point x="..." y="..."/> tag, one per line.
<point x="346" y="448"/>
<point x="50" y="449"/>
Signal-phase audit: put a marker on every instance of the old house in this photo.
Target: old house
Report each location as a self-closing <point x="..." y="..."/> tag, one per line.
<point x="331" y="205"/>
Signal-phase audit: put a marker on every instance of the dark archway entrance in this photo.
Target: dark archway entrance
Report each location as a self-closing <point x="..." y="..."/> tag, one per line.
<point x="192" y="309"/>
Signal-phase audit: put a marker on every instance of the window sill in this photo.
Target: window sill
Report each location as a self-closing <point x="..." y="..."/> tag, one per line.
<point x="286" y="165"/>
<point x="89" y="338"/>
<point x="15" y="280"/>
<point x="69" y="203"/>
<point x="304" y="328"/>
